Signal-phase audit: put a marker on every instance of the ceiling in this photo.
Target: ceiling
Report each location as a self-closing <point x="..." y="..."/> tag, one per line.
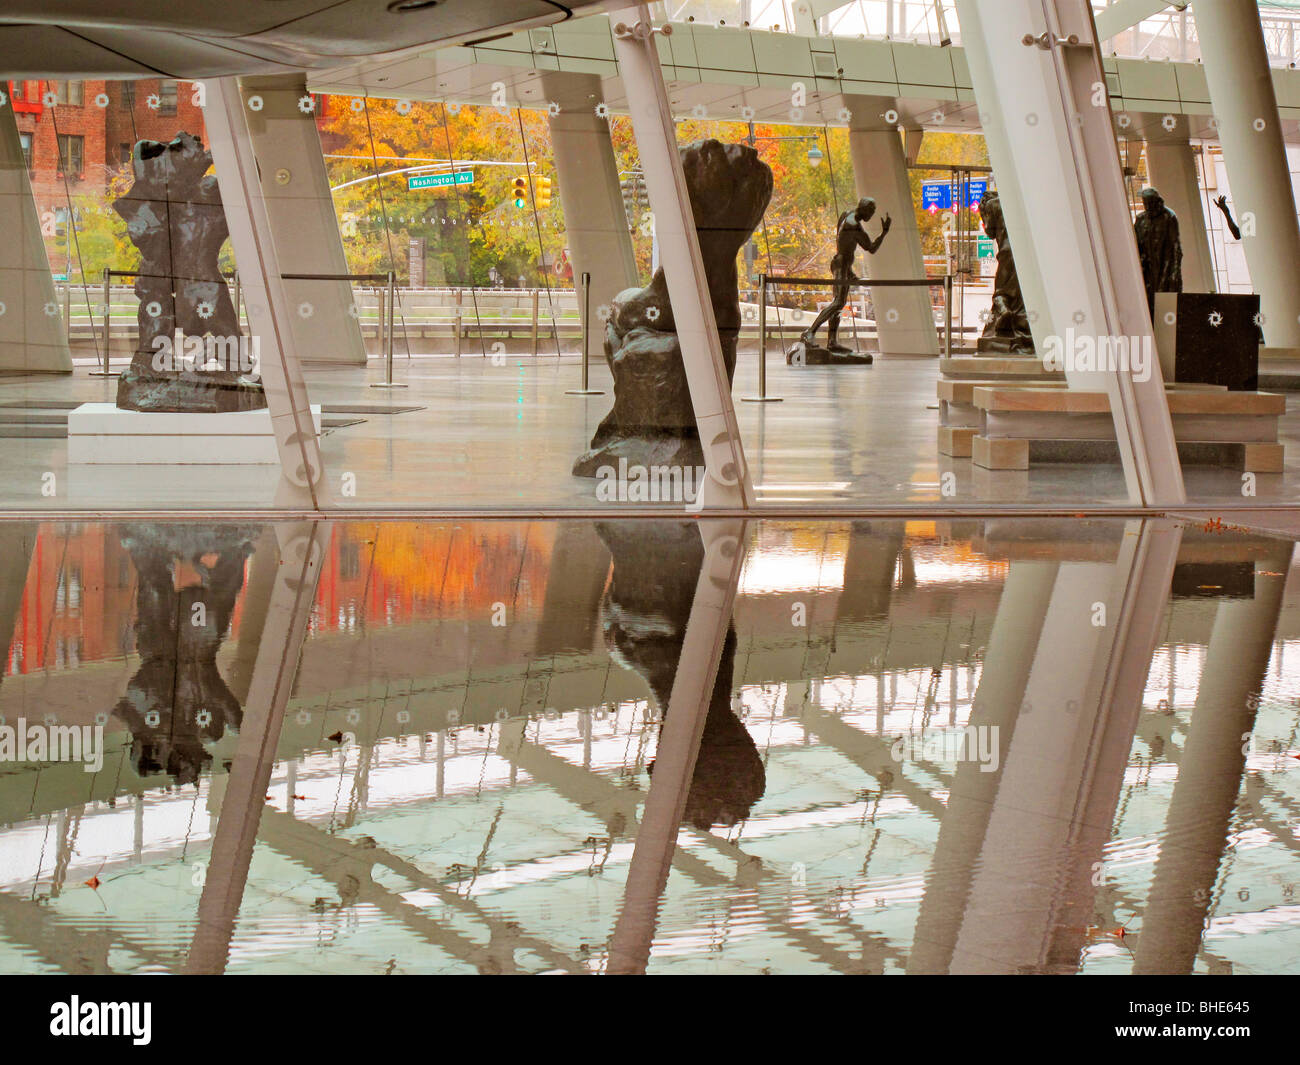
<point x="198" y="38"/>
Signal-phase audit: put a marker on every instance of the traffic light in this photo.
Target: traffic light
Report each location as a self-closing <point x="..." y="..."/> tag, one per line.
<point x="521" y="192"/>
<point x="542" y="193"/>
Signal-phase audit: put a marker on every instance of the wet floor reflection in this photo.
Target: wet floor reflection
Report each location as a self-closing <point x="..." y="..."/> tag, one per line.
<point x="881" y="747"/>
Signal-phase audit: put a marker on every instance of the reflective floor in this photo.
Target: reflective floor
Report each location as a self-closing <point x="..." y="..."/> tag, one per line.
<point x="997" y="746"/>
<point x="473" y="434"/>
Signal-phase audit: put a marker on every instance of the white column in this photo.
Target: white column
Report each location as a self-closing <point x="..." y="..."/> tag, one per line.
<point x="1245" y="105"/>
<point x="304" y="224"/>
<point x="904" y="320"/>
<point x="728" y="482"/>
<point x="1054" y="115"/>
<point x="31" y="340"/>
<point x="1171" y="170"/>
<point x="270" y="314"/>
<point x="595" y="222"/>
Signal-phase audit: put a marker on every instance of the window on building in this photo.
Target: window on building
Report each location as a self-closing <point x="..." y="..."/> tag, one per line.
<point x="72" y="93"/>
<point x="72" y="154"/>
<point x="124" y="152"/>
<point x="167" y="97"/>
<point x="127" y="99"/>
<point x="16" y="89"/>
<point x="26" y="139"/>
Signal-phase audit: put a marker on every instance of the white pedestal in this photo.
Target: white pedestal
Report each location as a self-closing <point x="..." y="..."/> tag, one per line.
<point x="100" y="433"/>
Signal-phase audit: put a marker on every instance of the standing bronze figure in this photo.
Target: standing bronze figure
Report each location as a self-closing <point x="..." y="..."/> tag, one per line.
<point x="850" y="235"/>
<point x="1159" y="249"/>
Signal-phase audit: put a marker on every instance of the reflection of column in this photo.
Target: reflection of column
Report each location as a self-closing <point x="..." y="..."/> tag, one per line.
<point x="1026" y="594"/>
<point x="904" y="320"/>
<point x="1245" y="104"/>
<point x="304" y="225"/>
<point x="594" y="217"/>
<point x="301" y="550"/>
<point x="17" y="541"/>
<point x="1209" y="773"/>
<point x="575" y="580"/>
<point x="31" y="339"/>
<point x="696" y="670"/>
<point x="869" y="566"/>
<point x="1030" y="897"/>
<point x="1171" y="169"/>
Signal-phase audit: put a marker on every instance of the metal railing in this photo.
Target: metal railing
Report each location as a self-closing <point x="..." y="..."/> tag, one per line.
<point x="765" y="280"/>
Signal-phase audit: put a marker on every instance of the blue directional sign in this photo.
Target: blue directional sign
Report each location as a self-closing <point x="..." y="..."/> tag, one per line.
<point x="438" y="181"/>
<point x="937" y="195"/>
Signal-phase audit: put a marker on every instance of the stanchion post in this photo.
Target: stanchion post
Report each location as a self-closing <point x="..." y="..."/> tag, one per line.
<point x="535" y="308"/>
<point x="585" y="390"/>
<point x="762" y="396"/>
<point x="108" y="326"/>
<point x="386" y="318"/>
<point x="460" y="318"/>
<point x="947" y="314"/>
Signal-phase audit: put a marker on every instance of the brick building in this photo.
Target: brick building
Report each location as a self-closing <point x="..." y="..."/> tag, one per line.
<point x="82" y="131"/>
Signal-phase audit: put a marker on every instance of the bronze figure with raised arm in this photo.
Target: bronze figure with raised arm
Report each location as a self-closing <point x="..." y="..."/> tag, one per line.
<point x="850" y="235"/>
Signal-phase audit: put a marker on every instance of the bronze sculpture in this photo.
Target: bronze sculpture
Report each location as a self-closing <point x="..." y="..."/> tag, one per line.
<point x="652" y="422"/>
<point x="1159" y="250"/>
<point x="174" y="215"/>
<point x="850" y="235"/>
<point x="1006" y="328"/>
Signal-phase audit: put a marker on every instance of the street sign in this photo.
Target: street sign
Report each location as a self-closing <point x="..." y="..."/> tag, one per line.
<point x="937" y="195"/>
<point x="439" y="181"/>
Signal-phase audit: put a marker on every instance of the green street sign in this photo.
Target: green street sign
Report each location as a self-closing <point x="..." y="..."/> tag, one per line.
<point x="439" y="181"/>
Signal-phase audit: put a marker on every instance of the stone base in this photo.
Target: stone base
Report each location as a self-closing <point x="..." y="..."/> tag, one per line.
<point x="646" y="451"/>
<point x="194" y="393"/>
<point x="802" y="354"/>
<point x="100" y="433"/>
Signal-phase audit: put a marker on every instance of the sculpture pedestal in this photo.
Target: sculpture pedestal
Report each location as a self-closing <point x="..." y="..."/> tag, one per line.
<point x="101" y="434"/>
<point x="1208" y="338"/>
<point x="802" y="354"/>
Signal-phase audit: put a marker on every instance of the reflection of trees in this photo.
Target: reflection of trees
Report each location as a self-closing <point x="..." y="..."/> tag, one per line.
<point x="644" y="616"/>
<point x="177" y="701"/>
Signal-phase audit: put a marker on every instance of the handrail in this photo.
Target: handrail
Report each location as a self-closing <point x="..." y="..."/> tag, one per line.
<point x="855" y="282"/>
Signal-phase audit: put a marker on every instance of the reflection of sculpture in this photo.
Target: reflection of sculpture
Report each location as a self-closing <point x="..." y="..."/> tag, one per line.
<point x="177" y="701"/>
<point x="1007" y="327"/>
<point x="174" y="216"/>
<point x="652" y="422"/>
<point x="1159" y="250"/>
<point x="850" y="235"/>
<point x="644" y="618"/>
